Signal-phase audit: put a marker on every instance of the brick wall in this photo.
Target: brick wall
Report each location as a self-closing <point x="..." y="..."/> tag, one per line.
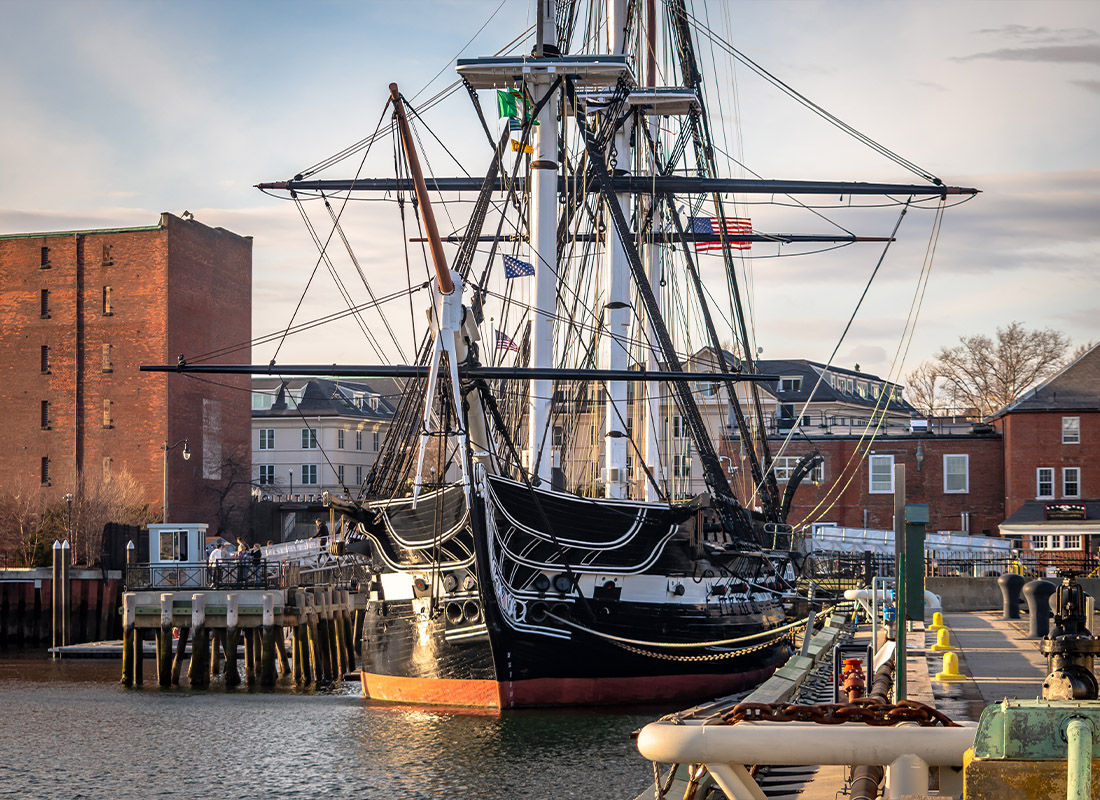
<point x="117" y="300"/>
<point x="1034" y="439"/>
<point x="845" y="493"/>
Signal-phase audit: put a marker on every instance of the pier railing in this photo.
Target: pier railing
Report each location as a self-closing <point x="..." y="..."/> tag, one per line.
<point x="1029" y="563"/>
<point x="201" y="575"/>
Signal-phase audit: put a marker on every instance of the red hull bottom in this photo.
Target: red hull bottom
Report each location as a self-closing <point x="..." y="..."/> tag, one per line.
<point x="558" y="691"/>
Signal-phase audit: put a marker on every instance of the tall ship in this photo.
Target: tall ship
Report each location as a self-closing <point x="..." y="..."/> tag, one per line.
<point x="531" y="528"/>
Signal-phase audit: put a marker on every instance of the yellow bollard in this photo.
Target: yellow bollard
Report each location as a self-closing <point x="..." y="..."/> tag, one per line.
<point x="943" y="640"/>
<point x="950" y="669"/>
<point x="937" y="621"/>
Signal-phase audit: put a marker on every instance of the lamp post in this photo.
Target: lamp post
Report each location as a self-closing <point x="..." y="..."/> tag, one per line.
<point x="167" y="448"/>
<point x="69" y="524"/>
<point x="290" y="473"/>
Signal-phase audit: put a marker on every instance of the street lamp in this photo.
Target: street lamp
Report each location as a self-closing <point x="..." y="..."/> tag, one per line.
<point x="167" y="448"/>
<point x="290" y="472"/>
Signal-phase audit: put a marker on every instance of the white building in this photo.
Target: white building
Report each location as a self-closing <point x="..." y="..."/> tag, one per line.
<point x="314" y="435"/>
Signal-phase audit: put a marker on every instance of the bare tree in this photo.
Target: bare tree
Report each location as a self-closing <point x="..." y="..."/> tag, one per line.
<point x="922" y="388"/>
<point x="22" y="534"/>
<point x="989" y="373"/>
<point x="233" y="494"/>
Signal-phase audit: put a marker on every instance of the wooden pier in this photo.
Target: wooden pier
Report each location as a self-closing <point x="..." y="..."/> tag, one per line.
<point x="310" y="634"/>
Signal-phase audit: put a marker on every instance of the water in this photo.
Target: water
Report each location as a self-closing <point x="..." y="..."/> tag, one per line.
<point x="69" y="730"/>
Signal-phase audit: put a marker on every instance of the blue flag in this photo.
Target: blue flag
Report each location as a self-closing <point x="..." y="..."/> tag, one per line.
<point x="514" y="268"/>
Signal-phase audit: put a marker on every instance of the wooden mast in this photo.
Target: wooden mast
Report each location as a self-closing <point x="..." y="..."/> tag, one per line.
<point x="439" y="258"/>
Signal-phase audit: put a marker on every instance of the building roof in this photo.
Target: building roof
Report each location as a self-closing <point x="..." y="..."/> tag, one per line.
<point x="326" y="397"/>
<point x="809" y="372"/>
<point x="1031" y="517"/>
<point x="1075" y="388"/>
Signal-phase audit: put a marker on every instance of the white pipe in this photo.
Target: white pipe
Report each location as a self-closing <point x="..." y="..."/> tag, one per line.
<point x="907" y="776"/>
<point x="931" y="599"/>
<point x="801" y="743"/>
<point x="736" y="782"/>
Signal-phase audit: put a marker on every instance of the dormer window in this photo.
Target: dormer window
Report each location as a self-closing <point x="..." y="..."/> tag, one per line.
<point x="790" y="383"/>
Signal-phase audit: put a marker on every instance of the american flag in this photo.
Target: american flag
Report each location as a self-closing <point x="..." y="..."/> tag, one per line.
<point x="504" y="342"/>
<point x="728" y="226"/>
<point x="514" y="268"/>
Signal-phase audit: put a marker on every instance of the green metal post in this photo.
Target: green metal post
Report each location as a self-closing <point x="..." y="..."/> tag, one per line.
<point x="1079" y="760"/>
<point x="900" y="637"/>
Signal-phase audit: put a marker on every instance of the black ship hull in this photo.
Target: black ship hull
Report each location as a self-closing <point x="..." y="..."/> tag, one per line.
<point x="607" y="607"/>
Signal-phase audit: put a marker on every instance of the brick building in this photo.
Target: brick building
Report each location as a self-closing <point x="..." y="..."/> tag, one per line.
<point x="80" y="312"/>
<point x="1052" y="460"/>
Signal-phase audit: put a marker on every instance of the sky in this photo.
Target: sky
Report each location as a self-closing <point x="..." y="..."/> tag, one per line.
<point x="117" y="110"/>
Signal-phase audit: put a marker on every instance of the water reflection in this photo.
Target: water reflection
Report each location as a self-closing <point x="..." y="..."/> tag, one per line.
<point x="70" y="730"/>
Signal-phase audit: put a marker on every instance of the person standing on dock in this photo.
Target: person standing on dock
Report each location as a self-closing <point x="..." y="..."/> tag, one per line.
<point x="217" y="555"/>
<point x="322" y="530"/>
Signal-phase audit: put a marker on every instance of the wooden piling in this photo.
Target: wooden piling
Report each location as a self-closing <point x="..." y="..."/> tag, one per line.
<point x="129" y="621"/>
<point x="280" y="650"/>
<point x="66" y="599"/>
<point x="164" y="642"/>
<point x="336" y="635"/>
<point x="327" y="671"/>
<point x="217" y="648"/>
<point x="249" y="658"/>
<point x="55" y="600"/>
<point x="139" y="657"/>
<point x="232" y="640"/>
<point x="198" y="669"/>
<point x="177" y="660"/>
<point x="315" y="659"/>
<point x="267" y="647"/>
<point x="349" y="632"/>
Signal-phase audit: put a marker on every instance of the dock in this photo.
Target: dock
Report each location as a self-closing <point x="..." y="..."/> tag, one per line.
<point x="996" y="661"/>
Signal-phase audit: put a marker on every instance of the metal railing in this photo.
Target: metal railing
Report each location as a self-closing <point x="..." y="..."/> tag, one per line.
<point x="1031" y="564"/>
<point x="228" y="574"/>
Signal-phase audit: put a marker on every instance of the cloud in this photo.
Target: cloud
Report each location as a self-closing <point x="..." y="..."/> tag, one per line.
<point x="1055" y="54"/>
<point x="1089" y="86"/>
<point x="1041" y="33"/>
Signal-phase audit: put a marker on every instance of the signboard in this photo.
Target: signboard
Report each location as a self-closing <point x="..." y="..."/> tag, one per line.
<point x="1065" y="511"/>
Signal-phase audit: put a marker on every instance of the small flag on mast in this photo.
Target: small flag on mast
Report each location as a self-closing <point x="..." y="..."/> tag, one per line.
<point x="517" y="145"/>
<point x="725" y="226"/>
<point x="514" y="268"/>
<point x="504" y="342"/>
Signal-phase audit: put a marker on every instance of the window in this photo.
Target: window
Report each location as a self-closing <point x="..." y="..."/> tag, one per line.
<point x="559" y="435"/>
<point x="358" y="440"/>
<point x="374" y="402"/>
<point x="45" y="358"/>
<point x="107" y="308"/>
<point x="1071" y="482"/>
<point x="679" y="428"/>
<point x="309" y="474"/>
<point x="359" y="475"/>
<point x="45" y="308"/>
<point x="374" y="441"/>
<point x="45" y="415"/>
<point x="785" y="465"/>
<point x="261" y="401"/>
<point x="681" y="466"/>
<point x="106" y="350"/>
<point x="45" y="256"/>
<point x="267" y="438"/>
<point x="790" y="383"/>
<point x="1071" y="429"/>
<point x="882" y="474"/>
<point x="340" y="474"/>
<point x="45" y="470"/>
<point x="108" y="421"/>
<point x="340" y="439"/>
<point x="173" y="545"/>
<point x="267" y="474"/>
<point x="309" y="439"/>
<point x="956" y="474"/>
<point x="1044" y="482"/>
<point x="1056" y="541"/>
<point x="107" y="260"/>
<point x="707" y="389"/>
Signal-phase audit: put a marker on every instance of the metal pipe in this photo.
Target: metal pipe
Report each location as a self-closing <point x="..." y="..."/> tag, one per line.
<point x="1079" y="760"/>
<point x="801" y="743"/>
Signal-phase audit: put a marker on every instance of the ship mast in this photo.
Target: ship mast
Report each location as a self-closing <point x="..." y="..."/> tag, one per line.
<point x="544" y="250"/>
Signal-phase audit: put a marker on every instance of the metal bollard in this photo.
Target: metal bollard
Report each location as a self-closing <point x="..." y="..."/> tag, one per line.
<point x="1037" y="594"/>
<point x="1011" y="584"/>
